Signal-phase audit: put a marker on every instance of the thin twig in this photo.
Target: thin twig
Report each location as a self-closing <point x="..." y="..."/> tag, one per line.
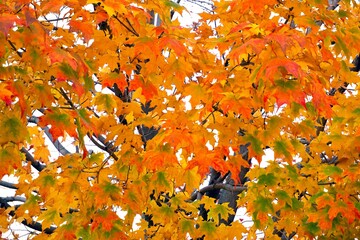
<point x="14" y="48"/>
<point x="127" y="28"/>
<point x="55" y="20"/>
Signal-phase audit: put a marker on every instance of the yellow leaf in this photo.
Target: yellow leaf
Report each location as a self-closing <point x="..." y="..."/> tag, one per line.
<point x="12" y="129"/>
<point x="130" y="117"/>
<point x="105" y="102"/>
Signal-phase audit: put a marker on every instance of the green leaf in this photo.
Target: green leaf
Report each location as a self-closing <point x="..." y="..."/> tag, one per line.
<point x="311" y="109"/>
<point x="282" y="148"/>
<point x="173" y="4"/>
<point x="48" y="180"/>
<point x="161" y="179"/>
<point x="186" y="226"/>
<point x="255" y="143"/>
<point x="338" y="119"/>
<point x="346" y="52"/>
<point x="96" y="158"/>
<point x="208" y="227"/>
<point x="312" y="228"/>
<point x="315" y="196"/>
<point x="331" y="170"/>
<point x="342" y="14"/>
<point x="12" y="130"/>
<point x="105" y="102"/>
<point x="89" y="83"/>
<point x="284" y="196"/>
<point x="275" y="122"/>
<point x="267" y="179"/>
<point x="110" y="188"/>
<point x="292" y="172"/>
<point x="48" y="217"/>
<point x="264" y="204"/>
<point x="295" y="108"/>
<point x="68" y="71"/>
<point x="296" y="204"/>
<point x="167" y="211"/>
<point x="356" y="111"/>
<point x="286" y="85"/>
<point x="84" y="233"/>
<point x="132" y="196"/>
<point x="219" y="210"/>
<point x="357" y="205"/>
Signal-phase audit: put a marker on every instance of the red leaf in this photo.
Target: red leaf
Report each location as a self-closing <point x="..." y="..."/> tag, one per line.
<point x="8" y="21"/>
<point x="254" y="44"/>
<point x="82" y="27"/>
<point x="109" y="79"/>
<point x="148" y="89"/>
<point x="283" y="67"/>
<point x="58" y="55"/>
<point x="5" y="94"/>
<point x="240" y="26"/>
<point x="176" y="45"/>
<point x="60" y="122"/>
<point x="101" y="16"/>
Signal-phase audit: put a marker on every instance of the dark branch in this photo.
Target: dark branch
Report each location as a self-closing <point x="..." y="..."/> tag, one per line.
<point x="7" y="184"/>
<point x="227" y="187"/>
<point x="127" y="28"/>
<point x="36" y="164"/>
<point x="38" y="227"/>
<point x="14" y="48"/>
<point x="62" y="150"/>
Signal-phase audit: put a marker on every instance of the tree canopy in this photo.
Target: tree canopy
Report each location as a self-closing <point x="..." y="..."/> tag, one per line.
<point x="179" y="119"/>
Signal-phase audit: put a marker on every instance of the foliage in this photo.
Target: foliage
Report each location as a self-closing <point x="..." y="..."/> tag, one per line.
<point x="168" y="106"/>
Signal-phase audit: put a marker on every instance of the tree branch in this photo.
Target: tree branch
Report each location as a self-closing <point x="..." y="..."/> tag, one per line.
<point x="14" y="48"/>
<point x="36" y="164"/>
<point x="7" y="184"/>
<point x="107" y="146"/>
<point x="61" y="149"/>
<point x="38" y="227"/>
<point x="127" y="28"/>
<point x="227" y="187"/>
<point x="12" y="199"/>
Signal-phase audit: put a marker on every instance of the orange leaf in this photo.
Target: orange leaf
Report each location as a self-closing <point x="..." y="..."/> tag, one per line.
<point x="109" y="79"/>
<point x="280" y="67"/>
<point x="174" y="44"/>
<point x="59" y="122"/>
<point x="5" y="94"/>
<point x="85" y="28"/>
<point x="7" y="21"/>
<point x="148" y="89"/>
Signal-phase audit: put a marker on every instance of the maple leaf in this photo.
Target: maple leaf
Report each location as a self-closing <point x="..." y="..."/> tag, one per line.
<point x="12" y="130"/>
<point x="255" y="45"/>
<point x="109" y="79"/>
<point x="105" y="102"/>
<point x="5" y="94"/>
<point x="10" y="159"/>
<point x="101" y="16"/>
<point x="84" y="28"/>
<point x="286" y="41"/>
<point x="8" y="21"/>
<point x="160" y="158"/>
<point x="148" y="89"/>
<point x="58" y="55"/>
<point x="174" y="44"/>
<point x="282" y="67"/>
<point x="60" y="123"/>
